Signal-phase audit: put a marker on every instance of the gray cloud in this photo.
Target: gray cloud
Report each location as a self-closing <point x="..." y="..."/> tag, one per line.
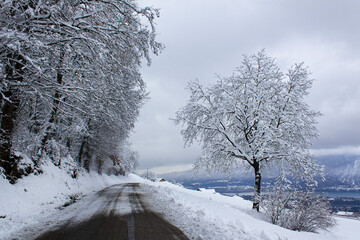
<point x="204" y="37"/>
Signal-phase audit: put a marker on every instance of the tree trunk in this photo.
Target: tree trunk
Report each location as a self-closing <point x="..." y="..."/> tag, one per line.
<point x="85" y="156"/>
<point x="82" y="149"/>
<point x="100" y="164"/>
<point x="8" y="161"/>
<point x="56" y="102"/>
<point x="53" y="112"/>
<point x="86" y="161"/>
<point x="257" y="186"/>
<point x="9" y="106"/>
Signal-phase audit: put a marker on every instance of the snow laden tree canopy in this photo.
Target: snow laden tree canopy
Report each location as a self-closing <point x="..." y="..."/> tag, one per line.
<point x="255" y="118"/>
<point x="70" y="81"/>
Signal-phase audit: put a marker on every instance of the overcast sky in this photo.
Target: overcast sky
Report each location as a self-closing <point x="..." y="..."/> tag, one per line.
<point x="208" y="37"/>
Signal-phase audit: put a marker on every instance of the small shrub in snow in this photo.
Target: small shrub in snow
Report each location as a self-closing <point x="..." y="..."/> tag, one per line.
<point x="72" y="199"/>
<point x="150" y="176"/>
<point x="298" y="210"/>
<point x="176" y="183"/>
<point x="309" y="212"/>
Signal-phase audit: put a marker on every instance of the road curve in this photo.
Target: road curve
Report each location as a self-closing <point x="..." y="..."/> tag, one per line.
<point x="122" y="216"/>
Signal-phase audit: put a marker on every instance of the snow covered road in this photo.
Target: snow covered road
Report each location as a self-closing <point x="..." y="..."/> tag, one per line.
<point x="119" y="214"/>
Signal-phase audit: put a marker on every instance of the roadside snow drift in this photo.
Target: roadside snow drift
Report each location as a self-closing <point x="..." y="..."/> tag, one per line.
<point x="34" y="198"/>
<point x="212" y="216"/>
<point x="32" y="205"/>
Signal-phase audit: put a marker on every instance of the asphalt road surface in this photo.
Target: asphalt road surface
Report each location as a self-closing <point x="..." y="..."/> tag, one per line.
<point x="122" y="216"/>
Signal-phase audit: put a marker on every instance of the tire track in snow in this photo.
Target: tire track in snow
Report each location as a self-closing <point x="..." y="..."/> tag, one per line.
<point x="122" y="215"/>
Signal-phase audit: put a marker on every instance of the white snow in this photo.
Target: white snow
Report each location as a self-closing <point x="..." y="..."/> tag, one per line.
<point x="31" y="206"/>
<point x="205" y="215"/>
<point x="207" y="190"/>
<point x="36" y="198"/>
<point x="342" y="213"/>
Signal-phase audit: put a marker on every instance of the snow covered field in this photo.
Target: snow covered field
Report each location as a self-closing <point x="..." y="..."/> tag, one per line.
<point x="30" y="205"/>
<point x="205" y="215"/>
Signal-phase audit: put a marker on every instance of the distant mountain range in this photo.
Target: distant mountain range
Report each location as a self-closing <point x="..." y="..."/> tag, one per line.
<point x="344" y="168"/>
<point x="342" y="173"/>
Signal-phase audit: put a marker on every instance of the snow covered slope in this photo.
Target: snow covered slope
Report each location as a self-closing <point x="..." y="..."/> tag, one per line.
<point x="35" y="198"/>
<point x="199" y="214"/>
<point x="205" y="215"/>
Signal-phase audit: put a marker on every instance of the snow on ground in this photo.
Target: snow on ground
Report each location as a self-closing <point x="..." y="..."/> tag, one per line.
<point x="35" y="199"/>
<point x="205" y="215"/>
<point x="31" y="206"/>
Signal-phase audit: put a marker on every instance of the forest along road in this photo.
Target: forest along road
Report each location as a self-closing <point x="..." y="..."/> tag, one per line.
<point x="122" y="215"/>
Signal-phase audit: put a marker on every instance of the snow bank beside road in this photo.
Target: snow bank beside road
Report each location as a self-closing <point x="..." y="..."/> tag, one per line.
<point x="33" y="198"/>
<point x="31" y="206"/>
<point x="205" y="215"/>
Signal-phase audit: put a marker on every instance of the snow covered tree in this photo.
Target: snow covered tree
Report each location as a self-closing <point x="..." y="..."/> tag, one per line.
<point x="70" y="77"/>
<point x="297" y="209"/>
<point x="149" y="175"/>
<point x="255" y="118"/>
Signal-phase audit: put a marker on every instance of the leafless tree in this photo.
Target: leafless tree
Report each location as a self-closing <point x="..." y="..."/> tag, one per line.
<point x="297" y="210"/>
<point x="70" y="77"/>
<point x="257" y="118"/>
